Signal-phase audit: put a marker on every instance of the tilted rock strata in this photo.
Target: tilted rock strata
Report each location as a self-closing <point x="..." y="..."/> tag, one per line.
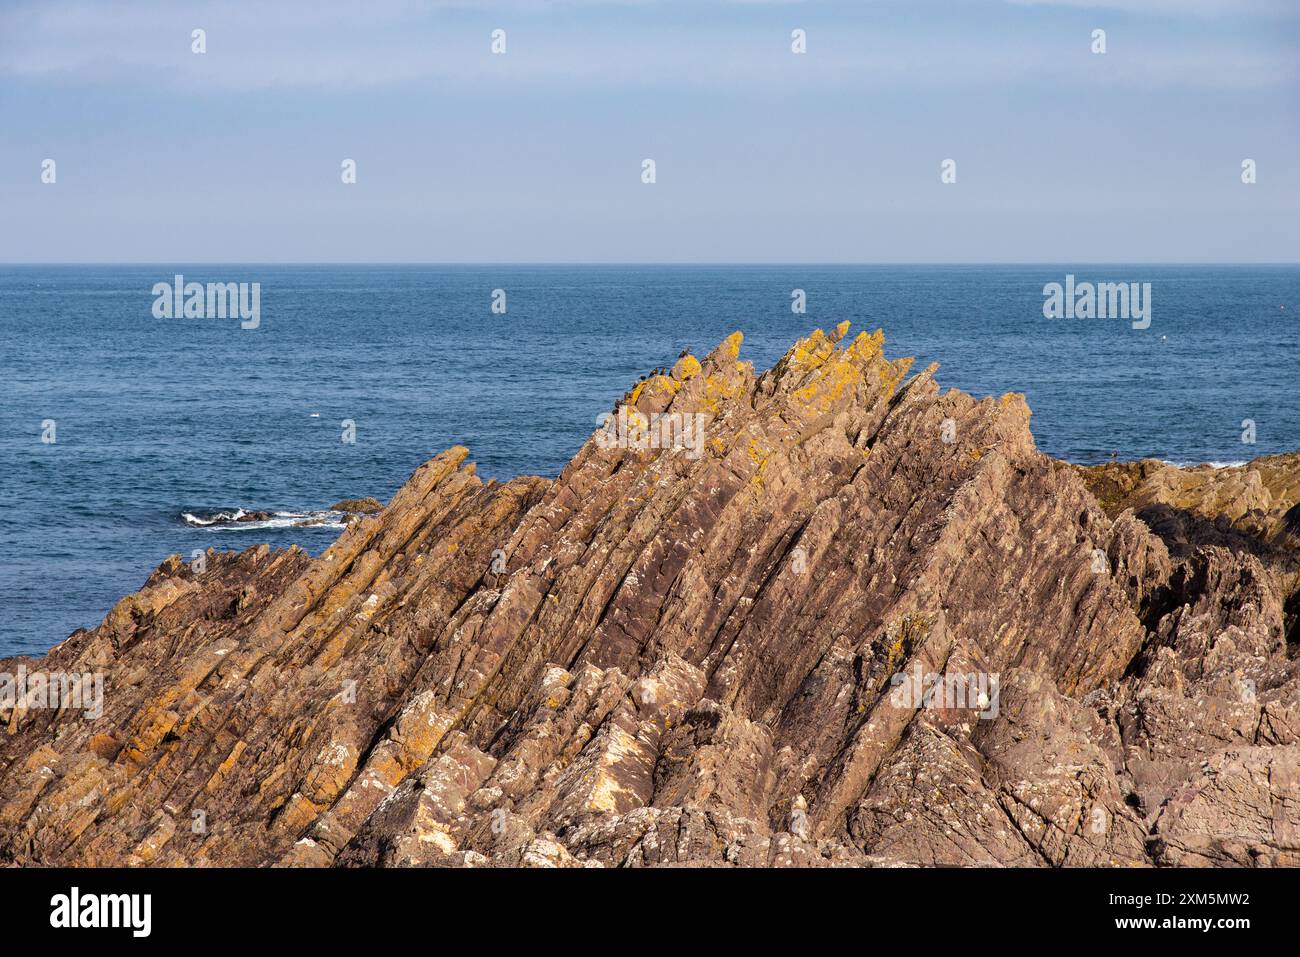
<point x="664" y="658"/>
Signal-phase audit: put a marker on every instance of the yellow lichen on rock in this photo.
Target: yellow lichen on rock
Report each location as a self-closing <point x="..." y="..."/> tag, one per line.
<point x="812" y="352"/>
<point x="833" y="380"/>
<point x="730" y="346"/>
<point x="687" y="367"/>
<point x="866" y="346"/>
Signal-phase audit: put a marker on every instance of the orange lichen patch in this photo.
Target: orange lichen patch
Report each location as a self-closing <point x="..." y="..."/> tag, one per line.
<point x="869" y="352"/>
<point x="831" y="376"/>
<point x="759" y="455"/>
<point x="668" y="384"/>
<point x="812" y="352"/>
<point x="661" y="384"/>
<point x="892" y="374"/>
<point x="687" y="367"/>
<point x="867" y="346"/>
<point x="729" y="348"/>
<point x="833" y="380"/>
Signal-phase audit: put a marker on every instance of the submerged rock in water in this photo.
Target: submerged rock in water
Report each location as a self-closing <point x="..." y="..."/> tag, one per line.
<point x="868" y="624"/>
<point x="338" y="515"/>
<point x="223" y="517"/>
<point x="358" y="505"/>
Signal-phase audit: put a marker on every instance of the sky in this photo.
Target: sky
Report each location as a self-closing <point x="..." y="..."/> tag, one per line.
<point x="761" y="154"/>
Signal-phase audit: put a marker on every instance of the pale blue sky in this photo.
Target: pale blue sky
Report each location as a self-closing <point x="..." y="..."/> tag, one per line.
<point x="763" y="156"/>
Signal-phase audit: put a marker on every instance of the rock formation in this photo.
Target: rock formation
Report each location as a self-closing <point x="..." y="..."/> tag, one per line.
<point x="712" y="656"/>
<point x="358" y="506"/>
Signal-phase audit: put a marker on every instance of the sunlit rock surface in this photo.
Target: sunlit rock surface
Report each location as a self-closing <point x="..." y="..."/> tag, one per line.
<point x="701" y="653"/>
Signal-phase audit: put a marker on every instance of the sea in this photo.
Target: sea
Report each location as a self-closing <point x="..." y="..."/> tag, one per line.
<point x="126" y="437"/>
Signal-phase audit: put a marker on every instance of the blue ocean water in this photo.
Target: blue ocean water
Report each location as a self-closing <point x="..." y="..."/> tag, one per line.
<point x="158" y="417"/>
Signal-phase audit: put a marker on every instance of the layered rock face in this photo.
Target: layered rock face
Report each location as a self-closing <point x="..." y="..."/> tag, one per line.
<point x="854" y="620"/>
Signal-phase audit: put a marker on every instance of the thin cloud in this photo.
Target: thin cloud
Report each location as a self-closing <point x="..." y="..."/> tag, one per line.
<point x="391" y="43"/>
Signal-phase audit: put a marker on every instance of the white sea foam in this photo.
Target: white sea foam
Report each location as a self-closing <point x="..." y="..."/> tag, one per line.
<point x="213" y="519"/>
<point x="1214" y="465"/>
<point x="230" y="521"/>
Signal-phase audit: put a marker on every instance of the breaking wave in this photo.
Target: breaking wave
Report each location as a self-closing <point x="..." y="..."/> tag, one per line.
<point x="1236" y="463"/>
<point x="238" y="520"/>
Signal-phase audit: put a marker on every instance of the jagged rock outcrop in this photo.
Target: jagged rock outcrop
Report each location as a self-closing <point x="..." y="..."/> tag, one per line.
<point x="697" y="647"/>
<point x="1260" y="498"/>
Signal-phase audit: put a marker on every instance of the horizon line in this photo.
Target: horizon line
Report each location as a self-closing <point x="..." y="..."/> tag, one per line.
<point x="722" y="263"/>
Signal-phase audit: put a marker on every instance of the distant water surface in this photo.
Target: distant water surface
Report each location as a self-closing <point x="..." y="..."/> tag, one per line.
<point x="159" y="417"/>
